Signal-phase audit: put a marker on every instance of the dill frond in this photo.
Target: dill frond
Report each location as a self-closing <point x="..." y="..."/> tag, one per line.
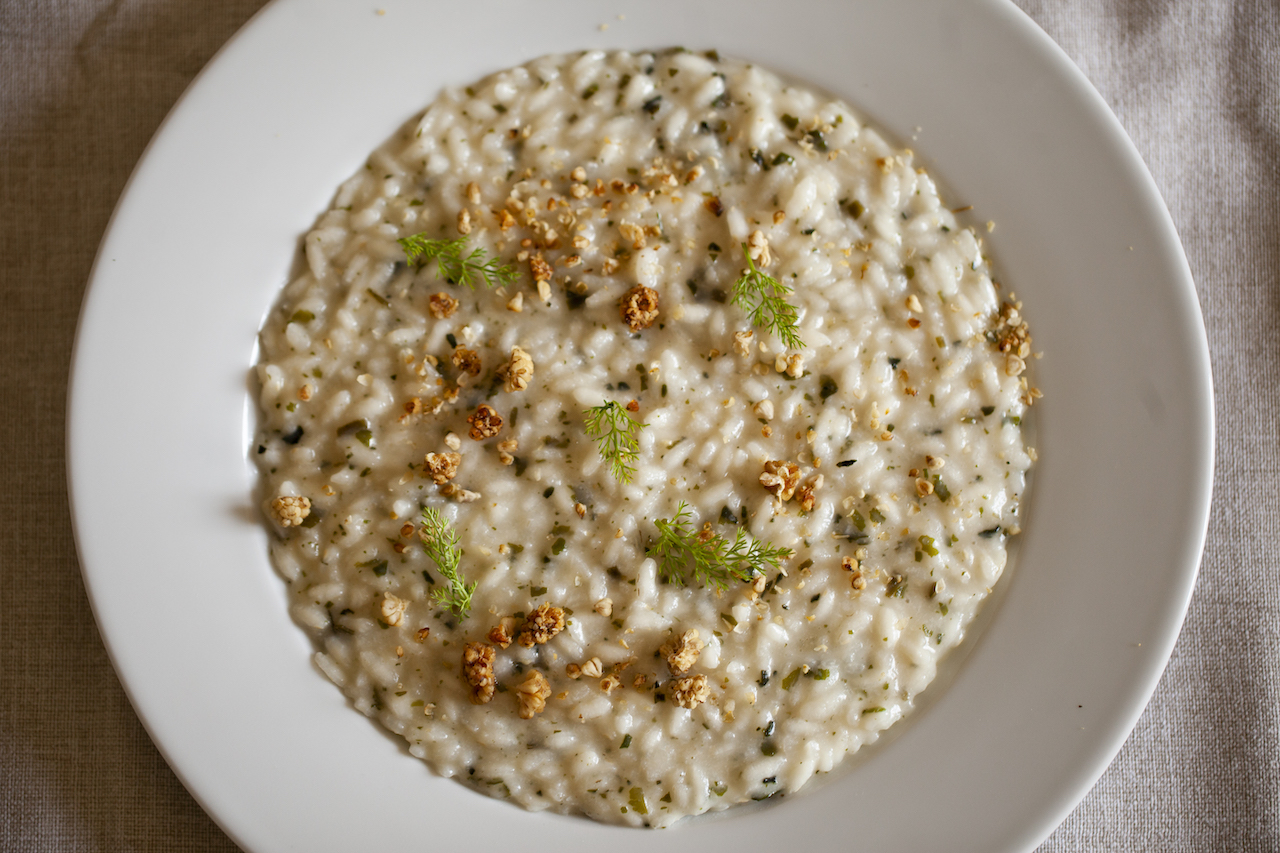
<point x="763" y="297"/>
<point x="441" y="544"/>
<point x="711" y="558"/>
<point x="456" y="267"/>
<point x="617" y="437"/>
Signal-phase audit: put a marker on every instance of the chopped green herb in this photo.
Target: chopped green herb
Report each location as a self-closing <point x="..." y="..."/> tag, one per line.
<point x="792" y="677"/>
<point x="940" y="488"/>
<point x="379" y="567"/>
<point x="636" y="801"/>
<point x="790" y="121"/>
<point x="626" y="741"/>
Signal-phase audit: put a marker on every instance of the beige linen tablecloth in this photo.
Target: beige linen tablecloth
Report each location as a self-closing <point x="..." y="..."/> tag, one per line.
<point x="85" y="83"/>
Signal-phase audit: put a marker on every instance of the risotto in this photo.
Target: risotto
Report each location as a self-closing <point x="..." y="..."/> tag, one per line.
<point x="639" y="434"/>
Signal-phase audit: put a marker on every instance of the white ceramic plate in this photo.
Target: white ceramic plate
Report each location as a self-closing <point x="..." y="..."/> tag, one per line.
<point x="174" y="557"/>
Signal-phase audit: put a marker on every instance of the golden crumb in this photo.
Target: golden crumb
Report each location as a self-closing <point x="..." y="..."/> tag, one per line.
<point x="681" y="652"/>
<point x="780" y="478"/>
<point x="532" y="694"/>
<point x="442" y="305"/>
<point x="485" y="422"/>
<point x="467" y="361"/>
<point x="539" y="268"/>
<point x="501" y="634"/>
<point x="393" y="609"/>
<point x="517" y="372"/>
<point x="639" y="307"/>
<point x="441" y="467"/>
<point x="290" y="511"/>
<point x="477" y="668"/>
<point x="541" y="625"/>
<point x="690" y="691"/>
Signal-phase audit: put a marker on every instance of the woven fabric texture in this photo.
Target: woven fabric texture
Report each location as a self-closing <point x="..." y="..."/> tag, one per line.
<point x="84" y="84"/>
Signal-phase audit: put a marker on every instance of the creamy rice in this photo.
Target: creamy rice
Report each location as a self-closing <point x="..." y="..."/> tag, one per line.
<point x="894" y="434"/>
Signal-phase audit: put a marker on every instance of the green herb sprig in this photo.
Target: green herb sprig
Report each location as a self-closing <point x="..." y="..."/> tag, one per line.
<point x="763" y="297"/>
<point x="714" y="561"/>
<point x="617" y="437"/>
<point x="441" y="544"/>
<point x="456" y="267"/>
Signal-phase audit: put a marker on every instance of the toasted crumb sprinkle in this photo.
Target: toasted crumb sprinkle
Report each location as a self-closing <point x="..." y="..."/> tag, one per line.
<point x="758" y="248"/>
<point x="572" y="670"/>
<point x="477" y="668"/>
<point x="580" y="509"/>
<point x="681" y="652"/>
<point x="441" y="467"/>
<point x="610" y="683"/>
<point x="792" y="365"/>
<point x="923" y="487"/>
<point x="532" y="694"/>
<point x="420" y="636"/>
<point x="851" y="565"/>
<point x="742" y="343"/>
<point x="639" y="307"/>
<point x="690" y="691"/>
<point x="604" y="607"/>
<point x="517" y="372"/>
<point x="467" y="361"/>
<point x="485" y="422"/>
<point x="516" y="303"/>
<point x="539" y="268"/>
<point x="506" y="448"/>
<point x="452" y="441"/>
<point x="501" y="634"/>
<point x="807" y="495"/>
<point x="393" y="609"/>
<point x="442" y="305"/>
<point x="593" y="668"/>
<point x="290" y="511"/>
<point x="780" y="478"/>
<point x="541" y="625"/>
<point x="473" y="192"/>
<point x="464" y="221"/>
